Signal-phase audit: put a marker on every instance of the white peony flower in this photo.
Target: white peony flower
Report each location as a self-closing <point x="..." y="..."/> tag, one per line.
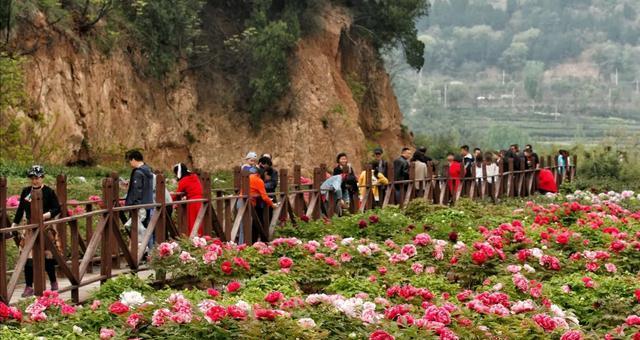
<point x="306" y="323"/>
<point x="77" y="330"/>
<point x="132" y="298"/>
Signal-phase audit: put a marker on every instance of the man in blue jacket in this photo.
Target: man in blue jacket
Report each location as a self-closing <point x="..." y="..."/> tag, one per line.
<point x="140" y="191"/>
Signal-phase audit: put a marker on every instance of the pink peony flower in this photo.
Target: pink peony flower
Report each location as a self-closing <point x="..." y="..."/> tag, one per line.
<point x="12" y="201"/>
<point x="571" y="335"/>
<point x="215" y="314"/>
<point x="185" y="257"/>
<point x="417" y="268"/>
<point x="210" y="257"/>
<point x="633" y="320"/>
<point x="214" y="293"/>
<point x="95" y="304"/>
<point x="160" y="316"/>
<point x="345" y="257"/>
<point x="106" y="333"/>
<point x="422" y="239"/>
<point x="611" y="268"/>
<point x="409" y="250"/>
<point x="67" y="310"/>
<point x="134" y="319"/>
<point x="236" y="312"/>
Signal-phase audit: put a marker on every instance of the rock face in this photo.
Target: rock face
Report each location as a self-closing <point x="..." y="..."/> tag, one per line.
<point x="96" y="106"/>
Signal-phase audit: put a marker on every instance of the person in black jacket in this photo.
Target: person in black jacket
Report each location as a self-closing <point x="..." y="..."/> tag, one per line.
<point x="50" y="209"/>
<point x="350" y="183"/>
<point x="467" y="160"/>
<point x="401" y="171"/>
<point x="270" y="174"/>
<point x="140" y="191"/>
<point x="381" y="164"/>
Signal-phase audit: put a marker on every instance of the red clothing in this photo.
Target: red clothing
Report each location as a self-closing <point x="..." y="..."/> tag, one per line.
<point x="455" y="173"/>
<point x="546" y="181"/>
<point x="191" y="186"/>
<point x="256" y="188"/>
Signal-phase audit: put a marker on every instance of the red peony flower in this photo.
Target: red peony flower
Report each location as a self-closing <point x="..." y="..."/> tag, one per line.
<point x="381" y="335"/>
<point x="233" y="286"/>
<point x="479" y="257"/>
<point x="214" y="293"/>
<point x="374" y="219"/>
<point x="240" y="262"/>
<point x="264" y="314"/>
<point x="215" y="313"/>
<point x="362" y="224"/>
<point x="118" y="308"/>
<point x="304" y="218"/>
<point x="563" y="238"/>
<point x="637" y="293"/>
<point x="546" y="322"/>
<point x="274" y="297"/>
<point x="226" y="267"/>
<point x="236" y="312"/>
<point x="285" y="262"/>
<point x="453" y="236"/>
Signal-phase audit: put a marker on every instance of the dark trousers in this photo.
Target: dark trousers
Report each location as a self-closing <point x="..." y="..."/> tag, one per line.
<point x="49" y="267"/>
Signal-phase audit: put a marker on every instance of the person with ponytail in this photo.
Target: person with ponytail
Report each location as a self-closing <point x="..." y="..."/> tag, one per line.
<point x="189" y="188"/>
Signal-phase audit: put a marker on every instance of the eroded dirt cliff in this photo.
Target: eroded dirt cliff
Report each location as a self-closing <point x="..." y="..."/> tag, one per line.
<point x="95" y="106"/>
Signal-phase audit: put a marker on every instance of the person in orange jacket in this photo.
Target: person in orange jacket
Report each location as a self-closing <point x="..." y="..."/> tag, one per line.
<point x="259" y="199"/>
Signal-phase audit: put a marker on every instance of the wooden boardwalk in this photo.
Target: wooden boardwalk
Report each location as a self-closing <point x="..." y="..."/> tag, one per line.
<point x="96" y="247"/>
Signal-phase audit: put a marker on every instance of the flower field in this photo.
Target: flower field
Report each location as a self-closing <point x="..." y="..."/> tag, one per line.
<point x="557" y="268"/>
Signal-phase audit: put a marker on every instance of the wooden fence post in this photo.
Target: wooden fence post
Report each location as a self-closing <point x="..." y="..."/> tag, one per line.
<point x="115" y="187"/>
<point x="315" y="195"/>
<point x="61" y="193"/>
<point x="161" y="228"/>
<point x="237" y="179"/>
<point x="298" y="199"/>
<point x="3" y="237"/>
<point x="106" y="245"/>
<point x="38" y="247"/>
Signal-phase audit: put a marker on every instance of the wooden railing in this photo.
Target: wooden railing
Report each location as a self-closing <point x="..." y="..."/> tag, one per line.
<point x="105" y="243"/>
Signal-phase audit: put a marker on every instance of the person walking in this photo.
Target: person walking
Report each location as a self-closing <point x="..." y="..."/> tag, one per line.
<point x="420" y="171"/>
<point x="401" y="172"/>
<point x="189" y="188"/>
<point x="334" y="184"/>
<point x="50" y="209"/>
<point x="377" y="180"/>
<point x="139" y="191"/>
<point x="455" y="173"/>
<point x="259" y="199"/>
<point x="467" y="160"/>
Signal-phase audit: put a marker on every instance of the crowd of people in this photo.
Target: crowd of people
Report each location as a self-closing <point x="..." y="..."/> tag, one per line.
<point x="263" y="181"/>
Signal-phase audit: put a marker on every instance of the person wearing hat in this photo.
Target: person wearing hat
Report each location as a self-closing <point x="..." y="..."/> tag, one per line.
<point x="191" y="188"/>
<point x="251" y="162"/>
<point x="50" y="209"/>
<point x="382" y="165"/>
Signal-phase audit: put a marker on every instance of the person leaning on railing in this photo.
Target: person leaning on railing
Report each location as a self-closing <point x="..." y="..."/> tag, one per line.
<point x="50" y="209"/>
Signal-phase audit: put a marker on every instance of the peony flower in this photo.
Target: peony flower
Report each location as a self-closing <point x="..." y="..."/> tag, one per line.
<point x="118" y="308"/>
<point x="264" y="314"/>
<point x="236" y="312"/>
<point x="345" y="257"/>
<point x="422" y="239"/>
<point x="374" y="219"/>
<point x="285" y="262"/>
<point x="226" y="267"/>
<point x="304" y="218"/>
<point x="409" y="250"/>
<point x="637" y="294"/>
<point x="134" y="319"/>
<point x="571" y="335"/>
<point x="186" y="257"/>
<point x="131" y="298"/>
<point x="611" y="268"/>
<point x="306" y="323"/>
<point x="67" y="310"/>
<point x="95" y="304"/>
<point x="362" y="224"/>
<point x="479" y="257"/>
<point x="160" y="316"/>
<point x="233" y="286"/>
<point x="546" y="322"/>
<point x="13" y="201"/>
<point x="214" y="293"/>
<point x="364" y="250"/>
<point x="215" y="314"/>
<point x="274" y="297"/>
<point x="199" y="242"/>
<point x="633" y="320"/>
<point x="106" y="333"/>
<point x="417" y="268"/>
<point x="210" y="257"/>
<point x="380" y="335"/>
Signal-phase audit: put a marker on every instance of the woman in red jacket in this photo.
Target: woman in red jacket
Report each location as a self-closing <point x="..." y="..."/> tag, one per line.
<point x="455" y="173"/>
<point x="546" y="182"/>
<point x="189" y="184"/>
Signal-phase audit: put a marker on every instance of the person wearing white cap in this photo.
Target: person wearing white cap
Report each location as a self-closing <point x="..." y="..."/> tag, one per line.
<point x="251" y="162"/>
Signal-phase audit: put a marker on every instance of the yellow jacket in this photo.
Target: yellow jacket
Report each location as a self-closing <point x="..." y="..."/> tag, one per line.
<point x="362" y="182"/>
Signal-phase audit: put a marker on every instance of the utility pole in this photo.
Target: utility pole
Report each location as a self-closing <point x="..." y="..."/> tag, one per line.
<point x="513" y="97"/>
<point x="609" y="99"/>
<point x="445" y="95"/>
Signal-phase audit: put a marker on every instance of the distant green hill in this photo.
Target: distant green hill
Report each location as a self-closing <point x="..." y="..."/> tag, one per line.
<point x="548" y="69"/>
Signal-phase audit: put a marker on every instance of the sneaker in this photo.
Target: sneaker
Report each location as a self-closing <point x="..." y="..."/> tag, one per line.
<point x="54" y="286"/>
<point x="28" y="291"/>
